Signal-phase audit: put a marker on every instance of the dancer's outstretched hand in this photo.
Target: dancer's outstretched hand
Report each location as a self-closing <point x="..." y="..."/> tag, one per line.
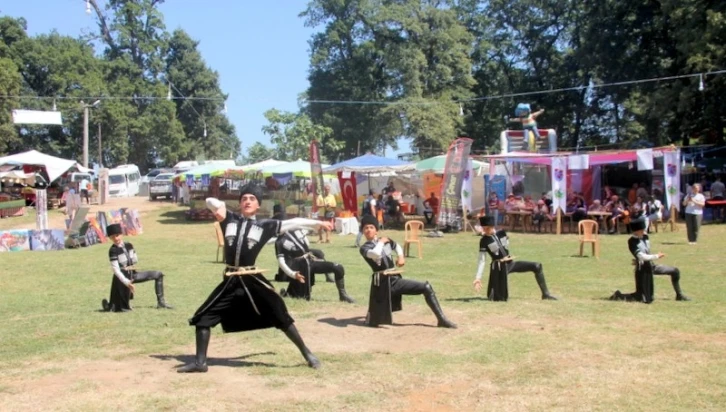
<point x="477" y="285"/>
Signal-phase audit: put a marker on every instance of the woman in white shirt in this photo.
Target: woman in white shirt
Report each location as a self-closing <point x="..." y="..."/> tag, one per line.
<point x="694" y="203"/>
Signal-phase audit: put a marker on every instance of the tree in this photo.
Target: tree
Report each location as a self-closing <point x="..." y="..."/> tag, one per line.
<point x="257" y="153"/>
<point x="292" y="133"/>
<point x="10" y="85"/>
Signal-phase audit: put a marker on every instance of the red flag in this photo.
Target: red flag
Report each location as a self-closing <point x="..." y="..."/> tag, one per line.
<point x="349" y="191"/>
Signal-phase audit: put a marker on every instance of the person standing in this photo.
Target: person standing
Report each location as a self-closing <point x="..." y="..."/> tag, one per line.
<point x="387" y="285"/>
<point x="245" y="300"/>
<point x="84" y="187"/>
<point x="123" y="261"/>
<point x="326" y="211"/>
<point x="694" y="203"/>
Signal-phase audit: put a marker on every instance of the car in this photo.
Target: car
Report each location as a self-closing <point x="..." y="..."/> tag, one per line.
<point x="160" y="186"/>
<point x="151" y="175"/>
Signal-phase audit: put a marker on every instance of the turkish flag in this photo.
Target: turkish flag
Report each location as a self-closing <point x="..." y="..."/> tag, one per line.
<point x="348" y="191"/>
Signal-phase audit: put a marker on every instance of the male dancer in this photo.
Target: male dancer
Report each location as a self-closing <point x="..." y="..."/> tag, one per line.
<point x="645" y="268"/>
<point x="123" y="260"/>
<point x="496" y="244"/>
<point x="387" y="288"/>
<point x="298" y="262"/>
<point x="245" y="300"/>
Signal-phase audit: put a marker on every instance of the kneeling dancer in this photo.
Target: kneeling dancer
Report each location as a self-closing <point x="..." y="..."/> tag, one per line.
<point x="123" y="262"/>
<point x="496" y="244"/>
<point x="645" y="268"/>
<point x="245" y="300"/>
<point x="299" y="263"/>
<point x="387" y="285"/>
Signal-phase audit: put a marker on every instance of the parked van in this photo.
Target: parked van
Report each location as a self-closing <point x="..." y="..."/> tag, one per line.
<point x="123" y="181"/>
<point x="185" y="165"/>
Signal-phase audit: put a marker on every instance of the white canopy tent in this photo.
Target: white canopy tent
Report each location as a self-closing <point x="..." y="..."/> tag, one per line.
<point x="54" y="166"/>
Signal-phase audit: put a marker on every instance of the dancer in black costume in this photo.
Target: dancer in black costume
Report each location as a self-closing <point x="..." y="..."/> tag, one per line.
<point x="645" y="268"/>
<point x="246" y="301"/>
<point x="298" y="262"/>
<point x="388" y="289"/>
<point x="496" y="244"/>
<point x="123" y="260"/>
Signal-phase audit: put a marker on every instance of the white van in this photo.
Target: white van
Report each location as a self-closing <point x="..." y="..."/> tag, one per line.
<point x="185" y="165"/>
<point x="123" y="181"/>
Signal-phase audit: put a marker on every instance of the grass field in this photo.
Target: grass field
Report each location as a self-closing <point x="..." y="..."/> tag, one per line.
<point x="583" y="352"/>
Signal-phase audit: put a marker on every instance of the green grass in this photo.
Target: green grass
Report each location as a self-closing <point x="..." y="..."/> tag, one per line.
<point x="582" y="352"/>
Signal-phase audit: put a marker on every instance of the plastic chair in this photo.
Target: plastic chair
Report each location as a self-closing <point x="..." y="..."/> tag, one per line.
<point x="588" y="233"/>
<point x="412" y="230"/>
<point x="220" y="239"/>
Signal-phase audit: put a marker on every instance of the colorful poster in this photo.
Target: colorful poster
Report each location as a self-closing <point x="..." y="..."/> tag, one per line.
<point x="316" y="171"/>
<point x="348" y="191"/>
<point x="102" y="221"/>
<point x="14" y="240"/>
<point x="559" y="183"/>
<point x="672" y="174"/>
<point x="132" y="222"/>
<point x="456" y="161"/>
<point x="43" y="240"/>
<point x="93" y="221"/>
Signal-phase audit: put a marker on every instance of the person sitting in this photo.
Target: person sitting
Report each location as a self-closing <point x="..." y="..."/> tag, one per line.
<point x="431" y="208"/>
<point x="393" y="210"/>
<point x="617" y="212"/>
<point x="541" y="214"/>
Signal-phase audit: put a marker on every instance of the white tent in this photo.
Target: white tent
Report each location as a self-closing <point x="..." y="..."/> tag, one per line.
<point x="261" y="165"/>
<point x="55" y="166"/>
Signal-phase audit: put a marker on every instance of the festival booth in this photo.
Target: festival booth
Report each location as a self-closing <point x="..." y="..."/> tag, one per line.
<point x="431" y="174"/>
<point x="193" y="186"/>
<point x="361" y="174"/>
<point x="563" y="173"/>
<point x="290" y="187"/>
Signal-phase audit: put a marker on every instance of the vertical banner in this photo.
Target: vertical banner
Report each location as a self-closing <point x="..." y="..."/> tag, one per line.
<point x="316" y="172"/>
<point x="41" y="209"/>
<point x="456" y="161"/>
<point x="672" y="173"/>
<point x="466" y="186"/>
<point x="348" y="191"/>
<point x="559" y="183"/>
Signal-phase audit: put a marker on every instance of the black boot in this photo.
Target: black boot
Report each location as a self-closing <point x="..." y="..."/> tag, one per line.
<point x="105" y="305"/>
<point x="676" y="282"/>
<point x="329" y="278"/>
<point x="543" y="285"/>
<point x="342" y="294"/>
<point x="292" y="334"/>
<point x="436" y="308"/>
<point x="160" y="302"/>
<point x="200" y="363"/>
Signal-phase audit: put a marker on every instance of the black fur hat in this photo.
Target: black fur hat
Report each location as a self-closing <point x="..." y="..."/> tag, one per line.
<point x="636" y="225"/>
<point x="114" y="229"/>
<point x="487" y="221"/>
<point x="368" y="220"/>
<point x="251" y="189"/>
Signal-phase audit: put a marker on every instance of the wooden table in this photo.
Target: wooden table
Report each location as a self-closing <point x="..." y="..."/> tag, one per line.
<point x="597" y="214"/>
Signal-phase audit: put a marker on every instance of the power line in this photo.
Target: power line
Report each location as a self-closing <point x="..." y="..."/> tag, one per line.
<point x="31" y="97"/>
<point x="529" y="93"/>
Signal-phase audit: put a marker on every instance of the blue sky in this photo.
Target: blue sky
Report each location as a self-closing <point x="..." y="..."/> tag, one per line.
<point x="259" y="48"/>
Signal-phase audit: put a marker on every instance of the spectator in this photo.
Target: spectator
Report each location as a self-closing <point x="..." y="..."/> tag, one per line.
<point x="431" y="208"/>
<point x="717" y="189"/>
<point x="541" y="214"/>
<point x="84" y="187"/>
<point x="633" y="193"/>
<point x="326" y="211"/>
<point x="617" y="212"/>
<point x="494" y="205"/>
<point x="694" y="204"/>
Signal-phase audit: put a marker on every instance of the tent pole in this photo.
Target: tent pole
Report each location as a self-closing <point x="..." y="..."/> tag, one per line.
<point x="559" y="221"/>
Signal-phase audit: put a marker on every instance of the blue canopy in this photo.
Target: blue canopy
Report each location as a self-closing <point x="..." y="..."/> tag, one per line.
<point x="370" y="163"/>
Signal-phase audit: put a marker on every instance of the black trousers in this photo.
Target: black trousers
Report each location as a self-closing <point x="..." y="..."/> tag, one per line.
<point x="321" y="267"/>
<point x="520" y="266"/>
<point x="401" y="286"/>
<point x="147" y="275"/>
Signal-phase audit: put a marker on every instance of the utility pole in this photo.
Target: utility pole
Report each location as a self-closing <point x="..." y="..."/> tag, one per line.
<point x="85" y="129"/>
<point x="85" y="134"/>
<point x="358" y="152"/>
<point x="100" y="151"/>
